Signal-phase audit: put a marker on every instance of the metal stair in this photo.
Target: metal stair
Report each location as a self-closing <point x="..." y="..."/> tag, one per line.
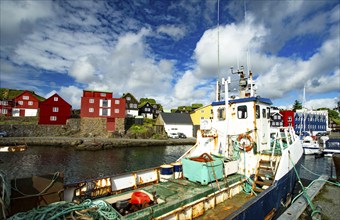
<point x="265" y="173"/>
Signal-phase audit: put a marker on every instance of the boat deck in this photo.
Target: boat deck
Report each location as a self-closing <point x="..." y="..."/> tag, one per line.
<point x="175" y="195"/>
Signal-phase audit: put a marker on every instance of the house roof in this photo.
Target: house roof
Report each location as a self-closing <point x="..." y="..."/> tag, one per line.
<point x="129" y="94"/>
<point x="10" y="94"/>
<point x="176" y="118"/>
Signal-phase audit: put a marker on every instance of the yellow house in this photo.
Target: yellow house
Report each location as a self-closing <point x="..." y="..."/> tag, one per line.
<point x="204" y="112"/>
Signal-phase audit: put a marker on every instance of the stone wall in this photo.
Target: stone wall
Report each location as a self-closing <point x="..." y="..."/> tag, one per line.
<point x="75" y="127"/>
<point x="93" y="127"/>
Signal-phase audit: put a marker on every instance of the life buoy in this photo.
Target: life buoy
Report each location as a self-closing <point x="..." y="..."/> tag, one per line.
<point x="246" y="142"/>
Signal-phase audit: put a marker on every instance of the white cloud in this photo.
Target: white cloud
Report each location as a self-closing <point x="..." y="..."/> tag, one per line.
<point x="82" y="70"/>
<point x="321" y="103"/>
<point x="173" y="31"/>
<point x="72" y="95"/>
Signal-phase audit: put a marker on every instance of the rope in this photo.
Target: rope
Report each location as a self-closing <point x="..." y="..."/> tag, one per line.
<point x="60" y="210"/>
<point x="54" y="179"/>
<point x="5" y="198"/>
<point x="304" y="190"/>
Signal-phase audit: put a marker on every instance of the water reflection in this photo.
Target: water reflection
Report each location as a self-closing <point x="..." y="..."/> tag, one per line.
<point x="80" y="165"/>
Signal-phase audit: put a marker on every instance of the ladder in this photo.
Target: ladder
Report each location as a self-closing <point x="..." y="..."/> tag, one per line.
<point x="265" y="173"/>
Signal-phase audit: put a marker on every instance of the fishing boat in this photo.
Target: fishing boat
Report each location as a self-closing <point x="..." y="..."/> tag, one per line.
<point x="237" y="161"/>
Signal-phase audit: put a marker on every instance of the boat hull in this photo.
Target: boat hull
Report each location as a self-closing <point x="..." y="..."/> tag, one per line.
<point x="270" y="201"/>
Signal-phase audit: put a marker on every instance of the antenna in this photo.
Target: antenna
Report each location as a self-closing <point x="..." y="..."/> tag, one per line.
<point x="218" y="38"/>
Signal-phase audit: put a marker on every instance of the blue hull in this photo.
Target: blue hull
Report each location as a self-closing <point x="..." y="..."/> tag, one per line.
<point x="269" y="199"/>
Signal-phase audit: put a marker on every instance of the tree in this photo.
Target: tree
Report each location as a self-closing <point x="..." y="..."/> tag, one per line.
<point x="297" y="105"/>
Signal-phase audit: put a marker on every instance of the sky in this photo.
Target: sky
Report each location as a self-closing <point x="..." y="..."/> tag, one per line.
<point x="172" y="51"/>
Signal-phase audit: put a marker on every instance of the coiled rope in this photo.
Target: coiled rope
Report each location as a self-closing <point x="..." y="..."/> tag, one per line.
<point x="60" y="210"/>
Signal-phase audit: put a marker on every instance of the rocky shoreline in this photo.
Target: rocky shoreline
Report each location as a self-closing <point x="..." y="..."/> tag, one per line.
<point x="91" y="144"/>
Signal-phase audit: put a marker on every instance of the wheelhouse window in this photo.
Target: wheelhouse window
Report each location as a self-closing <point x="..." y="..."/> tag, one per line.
<point x="263" y="113"/>
<point x="268" y="113"/>
<point x="221" y="113"/>
<point x="258" y="115"/>
<point x="242" y="112"/>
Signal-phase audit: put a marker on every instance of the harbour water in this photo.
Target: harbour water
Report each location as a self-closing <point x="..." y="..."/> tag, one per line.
<point x="80" y="165"/>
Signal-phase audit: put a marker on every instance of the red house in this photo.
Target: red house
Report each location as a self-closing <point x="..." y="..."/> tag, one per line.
<point x="288" y="118"/>
<point x="54" y="111"/>
<point x="101" y="104"/>
<point x="25" y="104"/>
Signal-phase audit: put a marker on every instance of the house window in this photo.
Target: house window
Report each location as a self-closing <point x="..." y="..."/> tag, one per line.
<point x="4" y="102"/>
<point x="135" y="105"/>
<point x="147" y="109"/>
<point x="105" y="103"/>
<point x="103" y="94"/>
<point x="289" y="118"/>
<point x="30" y="103"/>
<point x="131" y="105"/>
<point x="55" y="109"/>
<point x="290" y="124"/>
<point x="53" y="118"/>
<point x="128" y="98"/>
<point x="91" y="101"/>
<point x="4" y="111"/>
<point x="202" y="111"/>
<point x="104" y="112"/>
<point x="20" y="102"/>
<point x="91" y="109"/>
<point x="55" y="99"/>
<point x="242" y="112"/>
<point x="25" y="97"/>
<point x="117" y="102"/>
<point x="116" y="110"/>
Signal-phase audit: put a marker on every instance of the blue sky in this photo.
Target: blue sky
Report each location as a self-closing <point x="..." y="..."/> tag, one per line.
<point x="167" y="50"/>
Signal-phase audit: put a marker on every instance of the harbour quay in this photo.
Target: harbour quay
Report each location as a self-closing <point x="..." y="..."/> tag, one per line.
<point x="91" y="143"/>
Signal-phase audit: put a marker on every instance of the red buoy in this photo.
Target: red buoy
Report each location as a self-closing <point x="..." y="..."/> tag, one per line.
<point x="139" y="198"/>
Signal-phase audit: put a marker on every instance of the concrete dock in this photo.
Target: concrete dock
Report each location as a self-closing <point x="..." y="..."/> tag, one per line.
<point x="325" y="198"/>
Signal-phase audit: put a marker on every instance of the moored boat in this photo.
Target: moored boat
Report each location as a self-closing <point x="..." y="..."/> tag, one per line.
<point x="236" y="153"/>
<point x="15" y="148"/>
<point x="332" y="146"/>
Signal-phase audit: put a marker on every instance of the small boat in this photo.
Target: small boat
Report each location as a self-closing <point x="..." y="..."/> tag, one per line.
<point x="332" y="146"/>
<point x="16" y="148"/>
<point x="312" y="145"/>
